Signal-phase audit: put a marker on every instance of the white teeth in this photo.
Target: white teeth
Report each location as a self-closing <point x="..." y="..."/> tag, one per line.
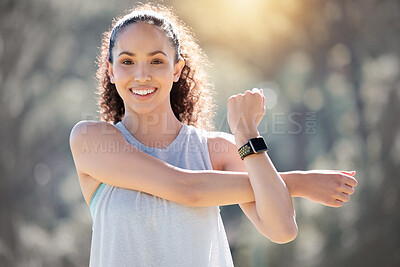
<point x="143" y="92"/>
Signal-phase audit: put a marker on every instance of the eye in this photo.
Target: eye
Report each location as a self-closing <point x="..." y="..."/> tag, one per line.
<point x="157" y="62"/>
<point x="127" y="62"/>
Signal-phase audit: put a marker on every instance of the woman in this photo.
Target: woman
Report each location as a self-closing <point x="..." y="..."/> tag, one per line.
<point x="153" y="180"/>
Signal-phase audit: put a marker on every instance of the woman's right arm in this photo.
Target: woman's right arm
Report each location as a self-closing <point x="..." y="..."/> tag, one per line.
<point x="100" y="151"/>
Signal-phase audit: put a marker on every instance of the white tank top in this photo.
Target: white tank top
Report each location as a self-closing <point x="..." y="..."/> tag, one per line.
<point x="132" y="228"/>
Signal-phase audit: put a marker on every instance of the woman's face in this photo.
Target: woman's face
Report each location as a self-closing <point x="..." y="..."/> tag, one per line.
<point x="143" y="68"/>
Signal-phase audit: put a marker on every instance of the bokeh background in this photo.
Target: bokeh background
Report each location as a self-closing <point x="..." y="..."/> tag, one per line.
<point x="331" y="74"/>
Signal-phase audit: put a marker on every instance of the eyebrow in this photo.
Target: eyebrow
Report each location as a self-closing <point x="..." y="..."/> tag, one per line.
<point x="149" y="54"/>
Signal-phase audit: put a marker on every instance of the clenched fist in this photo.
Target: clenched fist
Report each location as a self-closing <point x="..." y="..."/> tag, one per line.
<point x="245" y="112"/>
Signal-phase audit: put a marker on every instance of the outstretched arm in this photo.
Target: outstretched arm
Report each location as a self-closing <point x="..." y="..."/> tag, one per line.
<point x="100" y="152"/>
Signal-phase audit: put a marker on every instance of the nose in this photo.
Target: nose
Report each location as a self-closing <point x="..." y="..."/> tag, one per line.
<point x="142" y="74"/>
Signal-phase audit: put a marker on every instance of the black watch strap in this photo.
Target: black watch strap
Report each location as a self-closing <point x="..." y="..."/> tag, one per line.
<point x="255" y="145"/>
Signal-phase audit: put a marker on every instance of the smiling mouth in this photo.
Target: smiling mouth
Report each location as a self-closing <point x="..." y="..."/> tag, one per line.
<point x="143" y="92"/>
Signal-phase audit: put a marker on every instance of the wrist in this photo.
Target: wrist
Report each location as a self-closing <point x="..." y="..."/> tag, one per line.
<point x="242" y="137"/>
<point x="293" y="181"/>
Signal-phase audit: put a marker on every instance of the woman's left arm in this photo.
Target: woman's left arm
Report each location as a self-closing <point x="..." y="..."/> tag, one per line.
<point x="273" y="213"/>
<point x="330" y="188"/>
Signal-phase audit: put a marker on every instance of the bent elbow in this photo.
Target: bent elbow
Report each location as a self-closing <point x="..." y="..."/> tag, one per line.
<point x="286" y="239"/>
<point x="286" y="236"/>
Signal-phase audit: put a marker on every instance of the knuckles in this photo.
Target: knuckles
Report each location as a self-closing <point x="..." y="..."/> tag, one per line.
<point x="247" y="93"/>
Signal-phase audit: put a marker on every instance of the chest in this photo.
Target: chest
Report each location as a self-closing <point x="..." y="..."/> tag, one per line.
<point x="144" y="211"/>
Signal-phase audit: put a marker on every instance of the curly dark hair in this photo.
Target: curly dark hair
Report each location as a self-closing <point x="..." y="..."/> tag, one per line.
<point x="190" y="96"/>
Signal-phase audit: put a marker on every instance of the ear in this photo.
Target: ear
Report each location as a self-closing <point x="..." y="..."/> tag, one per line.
<point x="110" y="71"/>
<point x="178" y="69"/>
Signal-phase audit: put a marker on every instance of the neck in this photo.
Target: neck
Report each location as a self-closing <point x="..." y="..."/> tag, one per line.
<point x="154" y="129"/>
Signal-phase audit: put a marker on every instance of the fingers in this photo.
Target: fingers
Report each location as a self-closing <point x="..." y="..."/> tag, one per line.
<point x="262" y="93"/>
<point x="245" y="111"/>
<point x="348" y="178"/>
<point x="256" y="91"/>
<point x="347" y="189"/>
<point x="252" y="91"/>
<point x="340" y="199"/>
<point x="343" y="197"/>
<point x="349" y="173"/>
<point x="344" y="189"/>
<point x="337" y="203"/>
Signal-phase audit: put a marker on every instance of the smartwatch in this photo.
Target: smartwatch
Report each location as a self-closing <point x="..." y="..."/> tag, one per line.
<point x="255" y="145"/>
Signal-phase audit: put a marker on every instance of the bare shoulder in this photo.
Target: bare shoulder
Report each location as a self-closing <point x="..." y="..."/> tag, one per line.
<point x="88" y="134"/>
<point x="223" y="151"/>
<point x="88" y="128"/>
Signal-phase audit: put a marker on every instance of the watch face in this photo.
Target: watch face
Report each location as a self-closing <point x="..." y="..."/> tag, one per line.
<point x="258" y="144"/>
